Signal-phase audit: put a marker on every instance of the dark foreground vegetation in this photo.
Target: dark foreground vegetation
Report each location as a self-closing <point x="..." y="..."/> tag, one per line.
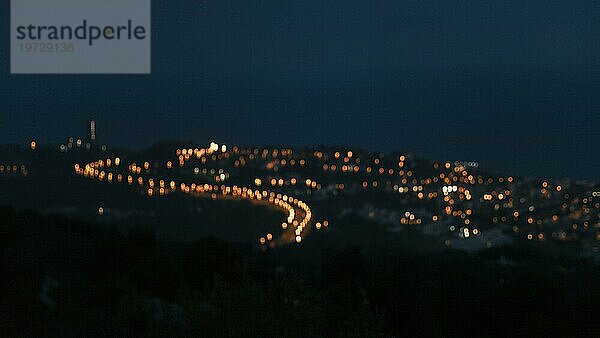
<point x="61" y="277"/>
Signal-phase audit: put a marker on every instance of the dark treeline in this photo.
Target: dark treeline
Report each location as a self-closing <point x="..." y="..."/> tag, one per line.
<point x="62" y="277"/>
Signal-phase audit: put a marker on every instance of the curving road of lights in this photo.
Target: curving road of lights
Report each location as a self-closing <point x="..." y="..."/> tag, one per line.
<point x="295" y="226"/>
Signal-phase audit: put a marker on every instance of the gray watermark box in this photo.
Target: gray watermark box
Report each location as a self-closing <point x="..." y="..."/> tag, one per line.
<point x="80" y="37"/>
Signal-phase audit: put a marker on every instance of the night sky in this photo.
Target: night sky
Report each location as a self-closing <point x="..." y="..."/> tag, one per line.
<point x="512" y="84"/>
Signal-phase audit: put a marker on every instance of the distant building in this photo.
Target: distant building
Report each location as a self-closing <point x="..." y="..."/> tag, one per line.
<point x="91" y="129"/>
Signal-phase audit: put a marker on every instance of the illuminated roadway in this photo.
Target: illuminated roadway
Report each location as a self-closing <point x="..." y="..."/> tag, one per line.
<point x="111" y="170"/>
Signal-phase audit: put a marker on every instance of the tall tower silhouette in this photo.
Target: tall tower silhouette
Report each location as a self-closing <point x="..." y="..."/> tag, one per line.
<point x="91" y="129"/>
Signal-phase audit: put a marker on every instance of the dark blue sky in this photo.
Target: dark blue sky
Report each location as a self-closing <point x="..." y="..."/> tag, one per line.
<point x="512" y="84"/>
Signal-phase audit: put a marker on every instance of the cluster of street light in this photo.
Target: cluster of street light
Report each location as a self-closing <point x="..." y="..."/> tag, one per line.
<point x="299" y="214"/>
<point x="18" y="169"/>
<point x="455" y="189"/>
